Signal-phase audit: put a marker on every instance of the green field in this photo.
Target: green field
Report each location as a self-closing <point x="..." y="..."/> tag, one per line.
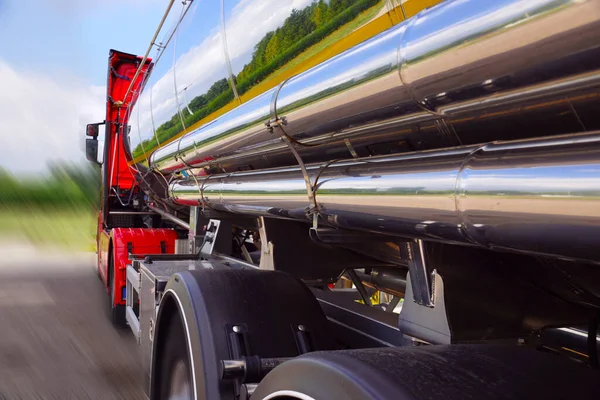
<point x="336" y="36"/>
<point x="72" y="230"/>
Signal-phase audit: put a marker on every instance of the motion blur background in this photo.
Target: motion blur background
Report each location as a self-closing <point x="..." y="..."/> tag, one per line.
<point x="53" y="57"/>
<point x="53" y="65"/>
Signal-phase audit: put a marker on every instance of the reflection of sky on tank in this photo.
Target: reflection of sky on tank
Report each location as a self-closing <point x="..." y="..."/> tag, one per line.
<point x="483" y="14"/>
<point x="372" y="55"/>
<point x="259" y="111"/>
<point x="200" y="61"/>
<point x="160" y="84"/>
<point x="200" y="58"/>
<point x="539" y="179"/>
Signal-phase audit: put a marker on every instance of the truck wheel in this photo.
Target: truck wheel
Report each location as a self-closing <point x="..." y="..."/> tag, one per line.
<point x="116" y="312"/>
<point x="175" y="374"/>
<point x="261" y="319"/>
<point x="491" y="372"/>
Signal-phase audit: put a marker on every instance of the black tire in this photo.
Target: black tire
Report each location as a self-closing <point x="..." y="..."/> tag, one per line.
<point x="200" y="341"/>
<point x="175" y="374"/>
<point x="116" y="313"/>
<point x="491" y="372"/>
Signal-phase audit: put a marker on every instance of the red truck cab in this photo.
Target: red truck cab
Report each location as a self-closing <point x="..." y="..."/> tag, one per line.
<point x="123" y="229"/>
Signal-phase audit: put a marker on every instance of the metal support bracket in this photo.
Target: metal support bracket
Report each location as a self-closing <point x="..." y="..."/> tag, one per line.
<point x="217" y="238"/>
<point x="422" y="282"/>
<point x="267" y="262"/>
<point x="279" y="122"/>
<point x="362" y="291"/>
<point x="275" y="122"/>
<point x="196" y="232"/>
<point x="425" y="324"/>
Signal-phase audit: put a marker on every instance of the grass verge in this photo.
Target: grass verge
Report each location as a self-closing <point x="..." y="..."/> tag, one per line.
<point x="72" y="230"/>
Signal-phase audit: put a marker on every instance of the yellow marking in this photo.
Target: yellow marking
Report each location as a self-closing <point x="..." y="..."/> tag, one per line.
<point x="413" y="7"/>
<point x="576" y="352"/>
<point x="367" y="31"/>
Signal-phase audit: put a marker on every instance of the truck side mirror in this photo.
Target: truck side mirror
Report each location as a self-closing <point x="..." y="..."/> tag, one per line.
<point x="91" y="150"/>
<point x="91" y="144"/>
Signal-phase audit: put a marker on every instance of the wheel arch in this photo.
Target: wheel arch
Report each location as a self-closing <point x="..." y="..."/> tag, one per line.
<point x="176" y="303"/>
<point x="200" y="298"/>
<point x="110" y="263"/>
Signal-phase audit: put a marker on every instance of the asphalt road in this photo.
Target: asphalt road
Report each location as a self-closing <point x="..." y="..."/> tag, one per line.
<point x="56" y="341"/>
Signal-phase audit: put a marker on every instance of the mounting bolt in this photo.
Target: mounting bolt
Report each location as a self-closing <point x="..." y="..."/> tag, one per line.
<point x="237" y="329"/>
<point x="301" y="328"/>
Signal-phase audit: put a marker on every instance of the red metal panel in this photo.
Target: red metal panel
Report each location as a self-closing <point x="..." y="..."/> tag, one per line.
<point x="143" y="241"/>
<point x="122" y="68"/>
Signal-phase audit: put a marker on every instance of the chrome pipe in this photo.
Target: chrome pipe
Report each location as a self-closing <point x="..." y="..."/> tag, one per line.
<point x="455" y="66"/>
<point x="169" y="217"/>
<point x="152" y="43"/>
<point x="538" y="196"/>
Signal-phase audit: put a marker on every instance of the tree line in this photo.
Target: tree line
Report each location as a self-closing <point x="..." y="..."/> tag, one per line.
<point x="301" y="30"/>
<point x="65" y="186"/>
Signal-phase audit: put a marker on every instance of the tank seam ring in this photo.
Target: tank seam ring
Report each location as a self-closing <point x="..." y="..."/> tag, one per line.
<point x="459" y="214"/>
<point x="402" y="61"/>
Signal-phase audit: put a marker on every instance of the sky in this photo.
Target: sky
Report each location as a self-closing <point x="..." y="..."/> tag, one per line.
<point x="195" y="59"/>
<point x="53" y="57"/>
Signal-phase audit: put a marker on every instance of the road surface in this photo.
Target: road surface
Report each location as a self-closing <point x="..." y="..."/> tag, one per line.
<point x="56" y="341"/>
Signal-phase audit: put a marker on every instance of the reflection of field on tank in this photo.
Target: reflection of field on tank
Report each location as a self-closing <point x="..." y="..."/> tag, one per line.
<point x="308" y="36"/>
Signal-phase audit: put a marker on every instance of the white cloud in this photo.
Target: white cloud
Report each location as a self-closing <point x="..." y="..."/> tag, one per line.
<point x="204" y="63"/>
<point x="43" y="118"/>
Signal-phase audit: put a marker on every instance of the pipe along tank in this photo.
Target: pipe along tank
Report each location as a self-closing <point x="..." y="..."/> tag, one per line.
<point x="454" y="78"/>
<point x="443" y="152"/>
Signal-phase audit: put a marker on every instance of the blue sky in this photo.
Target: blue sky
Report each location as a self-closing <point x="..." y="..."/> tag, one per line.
<point x="74" y="36"/>
<point x="53" y="57"/>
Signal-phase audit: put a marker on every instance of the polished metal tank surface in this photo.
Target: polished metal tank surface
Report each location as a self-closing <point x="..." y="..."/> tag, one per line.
<point x="462" y="124"/>
<point x="537" y="196"/>
<point x="462" y="72"/>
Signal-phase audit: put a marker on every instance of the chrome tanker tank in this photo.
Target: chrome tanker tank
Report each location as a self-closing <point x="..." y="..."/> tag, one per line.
<point x="304" y="109"/>
<point x="217" y="55"/>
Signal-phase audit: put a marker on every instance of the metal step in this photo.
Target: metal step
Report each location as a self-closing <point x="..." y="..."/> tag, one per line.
<point x="134" y="323"/>
<point x="131" y="300"/>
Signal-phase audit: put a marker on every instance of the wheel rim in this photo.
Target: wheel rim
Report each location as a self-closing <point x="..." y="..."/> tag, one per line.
<point x="288" y="395"/>
<point x="180" y="387"/>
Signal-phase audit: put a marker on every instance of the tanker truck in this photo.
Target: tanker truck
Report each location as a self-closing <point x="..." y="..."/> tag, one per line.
<point x="357" y="199"/>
